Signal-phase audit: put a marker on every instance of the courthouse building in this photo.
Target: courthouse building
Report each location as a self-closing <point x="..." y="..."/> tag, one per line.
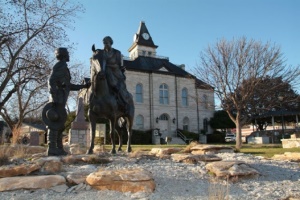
<point x="166" y="97"/>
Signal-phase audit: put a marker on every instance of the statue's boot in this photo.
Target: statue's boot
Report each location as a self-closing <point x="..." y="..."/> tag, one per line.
<point x="60" y="145"/>
<point x="52" y="143"/>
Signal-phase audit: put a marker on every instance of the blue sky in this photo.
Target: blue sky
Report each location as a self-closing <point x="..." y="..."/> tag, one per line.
<point x="183" y="28"/>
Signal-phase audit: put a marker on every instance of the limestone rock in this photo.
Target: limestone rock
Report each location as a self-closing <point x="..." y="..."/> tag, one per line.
<point x="291" y="156"/>
<point x="77" y="177"/>
<point x="193" y="159"/>
<point x="187" y="149"/>
<point x="71" y="159"/>
<point x="210" y="149"/>
<point x="163" y="151"/>
<point x="50" y="165"/>
<point x="230" y="168"/>
<point x="291" y="143"/>
<point x="123" y="180"/>
<point x="24" y="169"/>
<point x="43" y="160"/>
<point x="30" y="182"/>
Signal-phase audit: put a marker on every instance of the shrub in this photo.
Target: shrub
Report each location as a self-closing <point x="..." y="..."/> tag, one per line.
<point x="216" y="137"/>
<point x="190" y="135"/>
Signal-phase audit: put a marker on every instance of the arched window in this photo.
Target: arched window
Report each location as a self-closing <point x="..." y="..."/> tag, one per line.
<point x="185" y="123"/>
<point x="163" y="94"/>
<point x="139" y="122"/>
<point x="164" y="117"/>
<point x="184" y="97"/>
<point x="139" y="93"/>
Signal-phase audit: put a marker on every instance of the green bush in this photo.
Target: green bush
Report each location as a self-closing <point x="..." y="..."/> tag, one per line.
<point x="141" y="137"/>
<point x="137" y="137"/>
<point x="190" y="135"/>
<point x="216" y="137"/>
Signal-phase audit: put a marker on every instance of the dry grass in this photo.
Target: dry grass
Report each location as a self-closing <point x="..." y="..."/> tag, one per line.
<point x="7" y="152"/>
<point x="4" y="155"/>
<point x="218" y="190"/>
<point x="19" y="151"/>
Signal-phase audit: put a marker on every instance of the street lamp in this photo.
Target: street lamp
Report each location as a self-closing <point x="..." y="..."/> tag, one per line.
<point x="280" y="98"/>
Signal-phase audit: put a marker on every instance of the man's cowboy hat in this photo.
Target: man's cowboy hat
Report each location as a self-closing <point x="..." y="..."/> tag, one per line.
<point x="54" y="116"/>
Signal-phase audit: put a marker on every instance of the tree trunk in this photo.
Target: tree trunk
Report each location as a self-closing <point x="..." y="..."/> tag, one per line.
<point x="238" y="144"/>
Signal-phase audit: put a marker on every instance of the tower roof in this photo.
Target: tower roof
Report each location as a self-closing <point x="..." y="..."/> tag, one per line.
<point x="142" y="37"/>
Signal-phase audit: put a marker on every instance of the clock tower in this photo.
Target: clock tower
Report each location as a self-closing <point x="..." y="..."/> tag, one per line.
<point x="143" y="44"/>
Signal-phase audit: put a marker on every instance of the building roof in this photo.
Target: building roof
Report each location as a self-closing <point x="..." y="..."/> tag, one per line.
<point x="37" y="126"/>
<point x="162" y="66"/>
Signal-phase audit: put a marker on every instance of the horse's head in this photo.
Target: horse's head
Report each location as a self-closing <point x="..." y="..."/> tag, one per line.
<point x="97" y="65"/>
<point x="98" y="75"/>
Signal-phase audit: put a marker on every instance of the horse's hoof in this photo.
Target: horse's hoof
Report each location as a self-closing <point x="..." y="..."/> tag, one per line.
<point x="119" y="149"/>
<point x="113" y="151"/>
<point x="89" y="152"/>
<point x="129" y="149"/>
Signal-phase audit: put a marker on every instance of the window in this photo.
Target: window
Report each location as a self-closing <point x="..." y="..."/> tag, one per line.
<point x="184" y="95"/>
<point x="164" y="117"/>
<point x="185" y="123"/>
<point x="149" y="53"/>
<point x="139" y="93"/>
<point x="163" y="94"/>
<point x="143" y="53"/>
<point x="139" y="122"/>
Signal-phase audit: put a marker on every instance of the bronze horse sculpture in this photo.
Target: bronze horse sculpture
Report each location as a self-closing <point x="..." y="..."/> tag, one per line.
<point x="103" y="104"/>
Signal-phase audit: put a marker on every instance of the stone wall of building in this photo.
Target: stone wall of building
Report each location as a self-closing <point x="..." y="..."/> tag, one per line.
<point x="151" y="109"/>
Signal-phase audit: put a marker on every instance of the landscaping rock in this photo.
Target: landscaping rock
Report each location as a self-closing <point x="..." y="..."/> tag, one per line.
<point x="163" y="151"/>
<point x="77" y="177"/>
<point x="24" y="169"/>
<point x="290" y="156"/>
<point x="50" y="165"/>
<point x="230" y="168"/>
<point x="123" y="180"/>
<point x="210" y="149"/>
<point x="31" y="182"/>
<point x="192" y="159"/>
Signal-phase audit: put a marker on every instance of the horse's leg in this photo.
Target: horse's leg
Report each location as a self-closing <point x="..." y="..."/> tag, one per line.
<point x="119" y="132"/>
<point x="92" y="133"/>
<point x="112" y="135"/>
<point x="129" y="122"/>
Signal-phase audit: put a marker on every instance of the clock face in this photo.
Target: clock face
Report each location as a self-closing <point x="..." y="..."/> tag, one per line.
<point x="146" y="36"/>
<point x="135" y="37"/>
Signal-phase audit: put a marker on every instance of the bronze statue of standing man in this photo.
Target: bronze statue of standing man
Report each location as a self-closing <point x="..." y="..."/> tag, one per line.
<point x="54" y="113"/>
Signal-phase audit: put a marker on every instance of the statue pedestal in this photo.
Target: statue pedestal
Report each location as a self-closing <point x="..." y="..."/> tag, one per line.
<point x="79" y="133"/>
<point x="80" y="129"/>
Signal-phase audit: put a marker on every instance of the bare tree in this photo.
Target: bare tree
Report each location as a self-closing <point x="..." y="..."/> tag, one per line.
<point x="228" y="64"/>
<point x="30" y="30"/>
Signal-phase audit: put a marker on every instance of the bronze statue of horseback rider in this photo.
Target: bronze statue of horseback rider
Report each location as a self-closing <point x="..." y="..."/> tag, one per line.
<point x="112" y="63"/>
